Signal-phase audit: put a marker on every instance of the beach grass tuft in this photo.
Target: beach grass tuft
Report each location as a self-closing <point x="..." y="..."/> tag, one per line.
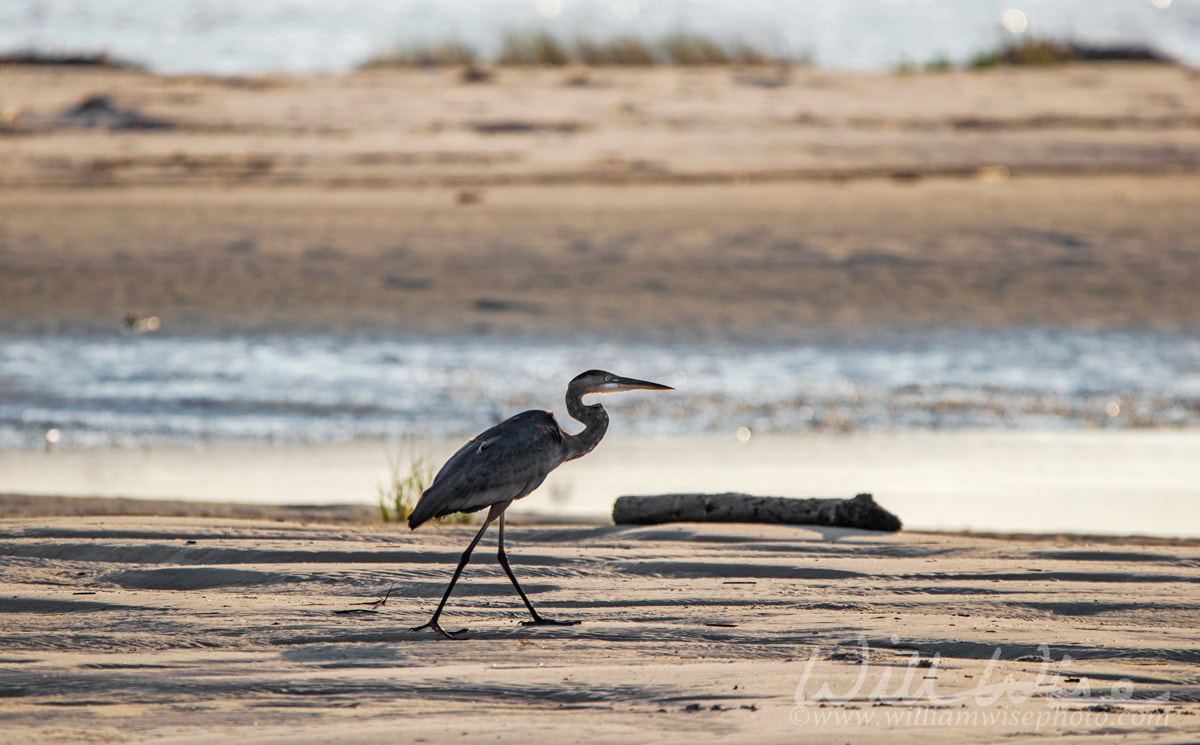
<point x="1042" y="52"/>
<point x="398" y="495"/>
<point x="1039" y="52"/>
<point x="449" y="53"/>
<point x="691" y="50"/>
<point x="35" y="58"/>
<point x="532" y="48"/>
<point x="622" y="51"/>
<point x="541" y="48"/>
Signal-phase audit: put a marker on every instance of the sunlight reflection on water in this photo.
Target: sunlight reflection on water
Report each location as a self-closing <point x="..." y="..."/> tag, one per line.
<point x="137" y="390"/>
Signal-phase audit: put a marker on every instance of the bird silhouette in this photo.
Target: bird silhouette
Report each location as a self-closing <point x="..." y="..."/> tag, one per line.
<point x="509" y="461"/>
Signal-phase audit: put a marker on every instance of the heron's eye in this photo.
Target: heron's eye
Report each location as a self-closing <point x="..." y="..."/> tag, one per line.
<point x="607" y="378"/>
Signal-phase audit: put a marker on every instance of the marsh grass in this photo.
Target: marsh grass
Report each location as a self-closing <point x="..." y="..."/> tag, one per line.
<point x="1035" y="52"/>
<point x="937" y="64"/>
<point x="448" y="53"/>
<point x="1045" y="52"/>
<point x="540" y="48"/>
<point x="690" y="50"/>
<point x="623" y="51"/>
<point x="35" y="58"/>
<point x="532" y="48"/>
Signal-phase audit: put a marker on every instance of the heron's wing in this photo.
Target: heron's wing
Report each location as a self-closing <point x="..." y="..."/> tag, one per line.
<point x="506" y="462"/>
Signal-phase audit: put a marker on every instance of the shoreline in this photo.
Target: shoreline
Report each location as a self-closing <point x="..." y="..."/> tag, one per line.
<point x="45" y="508"/>
<point x="1073" y="481"/>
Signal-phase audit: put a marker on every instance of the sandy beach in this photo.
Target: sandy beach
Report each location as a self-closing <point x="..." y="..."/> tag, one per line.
<point x="660" y="204"/>
<point x="663" y="203"/>
<point x="205" y="631"/>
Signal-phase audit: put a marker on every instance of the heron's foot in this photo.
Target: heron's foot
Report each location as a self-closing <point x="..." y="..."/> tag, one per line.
<point x="433" y="624"/>
<point x="543" y="621"/>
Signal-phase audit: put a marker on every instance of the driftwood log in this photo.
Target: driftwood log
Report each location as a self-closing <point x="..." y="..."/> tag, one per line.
<point x="860" y="512"/>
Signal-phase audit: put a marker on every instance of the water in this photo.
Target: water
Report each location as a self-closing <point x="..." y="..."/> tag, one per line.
<point x="127" y="390"/>
<point x="301" y="36"/>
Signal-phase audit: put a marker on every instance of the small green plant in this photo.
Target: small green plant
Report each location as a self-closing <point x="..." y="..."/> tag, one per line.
<point x="450" y="53"/>
<point x="398" y="495"/>
<point x="939" y="64"/>
<point x="541" y="48"/>
<point x="690" y="50"/>
<point x="532" y="48"/>
<point x="1035" y="51"/>
<point x="629" y="51"/>
<point x="1026" y="52"/>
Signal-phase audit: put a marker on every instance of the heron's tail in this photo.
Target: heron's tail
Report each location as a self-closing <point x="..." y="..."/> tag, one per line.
<point x="421" y="513"/>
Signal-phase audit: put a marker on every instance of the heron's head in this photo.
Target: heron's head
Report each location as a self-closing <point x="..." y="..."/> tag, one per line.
<point x="599" y="381"/>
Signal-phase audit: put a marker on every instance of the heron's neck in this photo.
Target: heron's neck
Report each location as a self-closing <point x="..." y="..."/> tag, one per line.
<point x="594" y="417"/>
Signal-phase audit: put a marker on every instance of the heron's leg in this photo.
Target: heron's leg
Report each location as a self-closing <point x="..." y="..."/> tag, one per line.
<point x="462" y="562"/>
<point x="538" y="619"/>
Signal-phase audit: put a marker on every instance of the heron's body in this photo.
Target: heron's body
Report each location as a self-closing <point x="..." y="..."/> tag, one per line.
<point x="510" y="460"/>
<point x="506" y="462"/>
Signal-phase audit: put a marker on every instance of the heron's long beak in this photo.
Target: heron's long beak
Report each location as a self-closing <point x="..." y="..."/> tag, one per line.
<point x="618" y="384"/>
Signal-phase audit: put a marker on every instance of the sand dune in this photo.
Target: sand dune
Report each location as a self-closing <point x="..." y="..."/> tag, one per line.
<point x="203" y="630"/>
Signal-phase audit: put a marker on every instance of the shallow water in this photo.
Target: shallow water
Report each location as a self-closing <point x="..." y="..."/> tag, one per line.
<point x="234" y="37"/>
<point x="129" y="390"/>
<point x="1108" y="481"/>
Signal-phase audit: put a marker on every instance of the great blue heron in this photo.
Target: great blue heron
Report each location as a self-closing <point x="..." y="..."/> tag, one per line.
<point x="508" y="462"/>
